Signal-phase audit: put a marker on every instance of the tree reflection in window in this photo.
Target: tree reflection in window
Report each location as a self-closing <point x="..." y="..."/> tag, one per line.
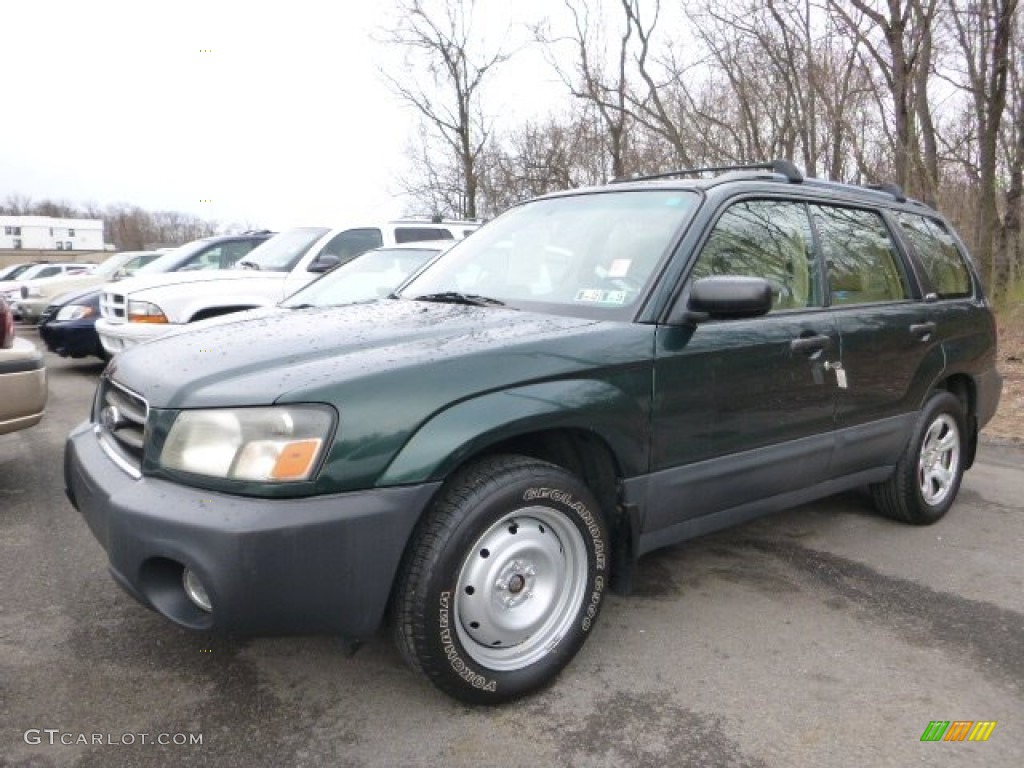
<point x="939" y="254"/>
<point x="860" y="254"/>
<point x="770" y="239"/>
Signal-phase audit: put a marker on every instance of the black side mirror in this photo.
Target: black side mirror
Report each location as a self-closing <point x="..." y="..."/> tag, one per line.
<point x="724" y="297"/>
<point x="324" y="262"/>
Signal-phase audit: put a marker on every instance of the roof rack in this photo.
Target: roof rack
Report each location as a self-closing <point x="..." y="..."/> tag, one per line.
<point x="893" y="189"/>
<point x="784" y="167"/>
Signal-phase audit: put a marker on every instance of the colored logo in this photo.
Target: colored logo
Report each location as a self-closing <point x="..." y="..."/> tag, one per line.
<point x="958" y="730"/>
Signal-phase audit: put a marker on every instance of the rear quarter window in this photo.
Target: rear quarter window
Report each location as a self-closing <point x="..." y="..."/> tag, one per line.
<point x="938" y="253"/>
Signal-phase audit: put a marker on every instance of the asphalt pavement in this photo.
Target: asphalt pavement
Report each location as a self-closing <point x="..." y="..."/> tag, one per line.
<point x="821" y="636"/>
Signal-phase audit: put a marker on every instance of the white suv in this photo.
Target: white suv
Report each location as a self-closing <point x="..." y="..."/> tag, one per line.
<point x="145" y="307"/>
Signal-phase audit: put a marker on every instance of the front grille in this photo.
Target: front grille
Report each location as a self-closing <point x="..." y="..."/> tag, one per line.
<point x="120" y="420"/>
<point x="112" y="307"/>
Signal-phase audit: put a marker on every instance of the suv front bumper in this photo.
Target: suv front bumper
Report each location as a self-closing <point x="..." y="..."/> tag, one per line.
<point x="269" y="566"/>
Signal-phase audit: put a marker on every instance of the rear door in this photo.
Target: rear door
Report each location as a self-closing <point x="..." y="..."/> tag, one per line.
<point x="889" y="353"/>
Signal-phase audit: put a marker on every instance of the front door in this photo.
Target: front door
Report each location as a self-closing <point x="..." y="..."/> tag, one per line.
<point x="744" y="409"/>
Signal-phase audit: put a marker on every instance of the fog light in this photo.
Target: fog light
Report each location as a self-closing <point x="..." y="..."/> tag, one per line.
<point x="196" y="591"/>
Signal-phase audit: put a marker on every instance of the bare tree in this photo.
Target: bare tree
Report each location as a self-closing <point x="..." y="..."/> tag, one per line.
<point x="897" y="38"/>
<point x="983" y="33"/>
<point x="1009" y="248"/>
<point x="439" y="41"/>
<point x="17" y="205"/>
<point x="544" y="156"/>
<point x="593" y="76"/>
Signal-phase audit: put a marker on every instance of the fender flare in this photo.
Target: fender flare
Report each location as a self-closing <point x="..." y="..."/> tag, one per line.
<point x="451" y="436"/>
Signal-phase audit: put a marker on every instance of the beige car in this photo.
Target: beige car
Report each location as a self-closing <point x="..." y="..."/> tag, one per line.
<point x="22" y="378"/>
<point x="36" y="295"/>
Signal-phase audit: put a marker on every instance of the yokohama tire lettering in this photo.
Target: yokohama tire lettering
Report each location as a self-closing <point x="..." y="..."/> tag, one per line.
<point x="452" y="653"/>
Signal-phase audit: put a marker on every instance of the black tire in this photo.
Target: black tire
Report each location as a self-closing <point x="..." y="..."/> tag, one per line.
<point x="504" y="579"/>
<point x="928" y="474"/>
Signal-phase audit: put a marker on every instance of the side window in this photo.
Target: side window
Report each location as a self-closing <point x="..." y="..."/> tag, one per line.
<point x="769" y="239"/>
<point x="937" y="250"/>
<point x="862" y="261"/>
<point x="208" y="259"/>
<point x="352" y="242"/>
<point x="49" y="272"/>
<point x="235" y="250"/>
<point x="414" y="234"/>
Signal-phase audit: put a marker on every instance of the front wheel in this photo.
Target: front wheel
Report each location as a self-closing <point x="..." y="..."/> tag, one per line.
<point x="504" y="581"/>
<point x="928" y="474"/>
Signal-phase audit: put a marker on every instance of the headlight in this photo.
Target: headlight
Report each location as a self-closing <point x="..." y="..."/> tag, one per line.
<point x="279" y="444"/>
<point x="145" y="312"/>
<point x="74" y="312"/>
<point x="31" y="292"/>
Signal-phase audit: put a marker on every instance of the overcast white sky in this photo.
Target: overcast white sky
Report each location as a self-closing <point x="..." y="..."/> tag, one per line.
<point x="286" y="122"/>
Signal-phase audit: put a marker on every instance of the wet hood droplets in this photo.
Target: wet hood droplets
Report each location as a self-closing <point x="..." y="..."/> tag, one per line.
<point x="261" y="356"/>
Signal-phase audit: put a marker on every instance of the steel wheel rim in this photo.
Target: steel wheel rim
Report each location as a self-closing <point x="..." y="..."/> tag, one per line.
<point x="520" y="588"/>
<point x="939" y="460"/>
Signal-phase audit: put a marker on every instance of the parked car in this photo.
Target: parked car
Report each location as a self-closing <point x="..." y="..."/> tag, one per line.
<point x="11" y="289"/>
<point x="37" y="294"/>
<point x="593" y="375"/>
<point x="22" y="377"/>
<point x="11" y="271"/>
<point x="150" y="306"/>
<point x="370" y="275"/>
<point x="207" y="253"/>
<point x="68" y="325"/>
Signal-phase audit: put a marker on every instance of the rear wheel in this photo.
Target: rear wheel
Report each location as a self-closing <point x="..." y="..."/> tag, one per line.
<point x="505" y="580"/>
<point x="928" y="474"/>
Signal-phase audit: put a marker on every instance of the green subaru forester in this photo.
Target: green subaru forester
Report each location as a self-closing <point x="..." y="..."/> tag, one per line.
<point x="591" y="376"/>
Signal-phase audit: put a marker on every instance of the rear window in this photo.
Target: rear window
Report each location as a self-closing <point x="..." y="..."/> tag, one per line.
<point x="414" y="234"/>
<point x="938" y="252"/>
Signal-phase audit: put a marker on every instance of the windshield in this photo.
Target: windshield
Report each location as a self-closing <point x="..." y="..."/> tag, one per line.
<point x="12" y="272"/>
<point x="111" y="265"/>
<point x="282" y="252"/>
<point x="173" y="259"/>
<point x="371" y="275"/>
<point x="589" y="255"/>
<point x="33" y="270"/>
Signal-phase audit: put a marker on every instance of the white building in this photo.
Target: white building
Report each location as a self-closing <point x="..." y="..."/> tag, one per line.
<point x="46" y="233"/>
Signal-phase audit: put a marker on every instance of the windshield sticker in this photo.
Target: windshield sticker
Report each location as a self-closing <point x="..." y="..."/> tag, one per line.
<point x="619" y="268"/>
<point x="598" y="296"/>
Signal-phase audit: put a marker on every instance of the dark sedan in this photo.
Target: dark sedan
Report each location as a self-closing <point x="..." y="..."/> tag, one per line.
<point x="68" y="325"/>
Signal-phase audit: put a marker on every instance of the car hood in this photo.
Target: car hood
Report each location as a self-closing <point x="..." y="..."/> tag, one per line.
<point x="54" y="286"/>
<point x="318" y="354"/>
<point x="75" y="295"/>
<point x="139" y="283"/>
<point x="8" y="285"/>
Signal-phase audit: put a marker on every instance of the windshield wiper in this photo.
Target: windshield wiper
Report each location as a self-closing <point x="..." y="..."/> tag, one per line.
<point x="455" y="297"/>
<point x="248" y="264"/>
